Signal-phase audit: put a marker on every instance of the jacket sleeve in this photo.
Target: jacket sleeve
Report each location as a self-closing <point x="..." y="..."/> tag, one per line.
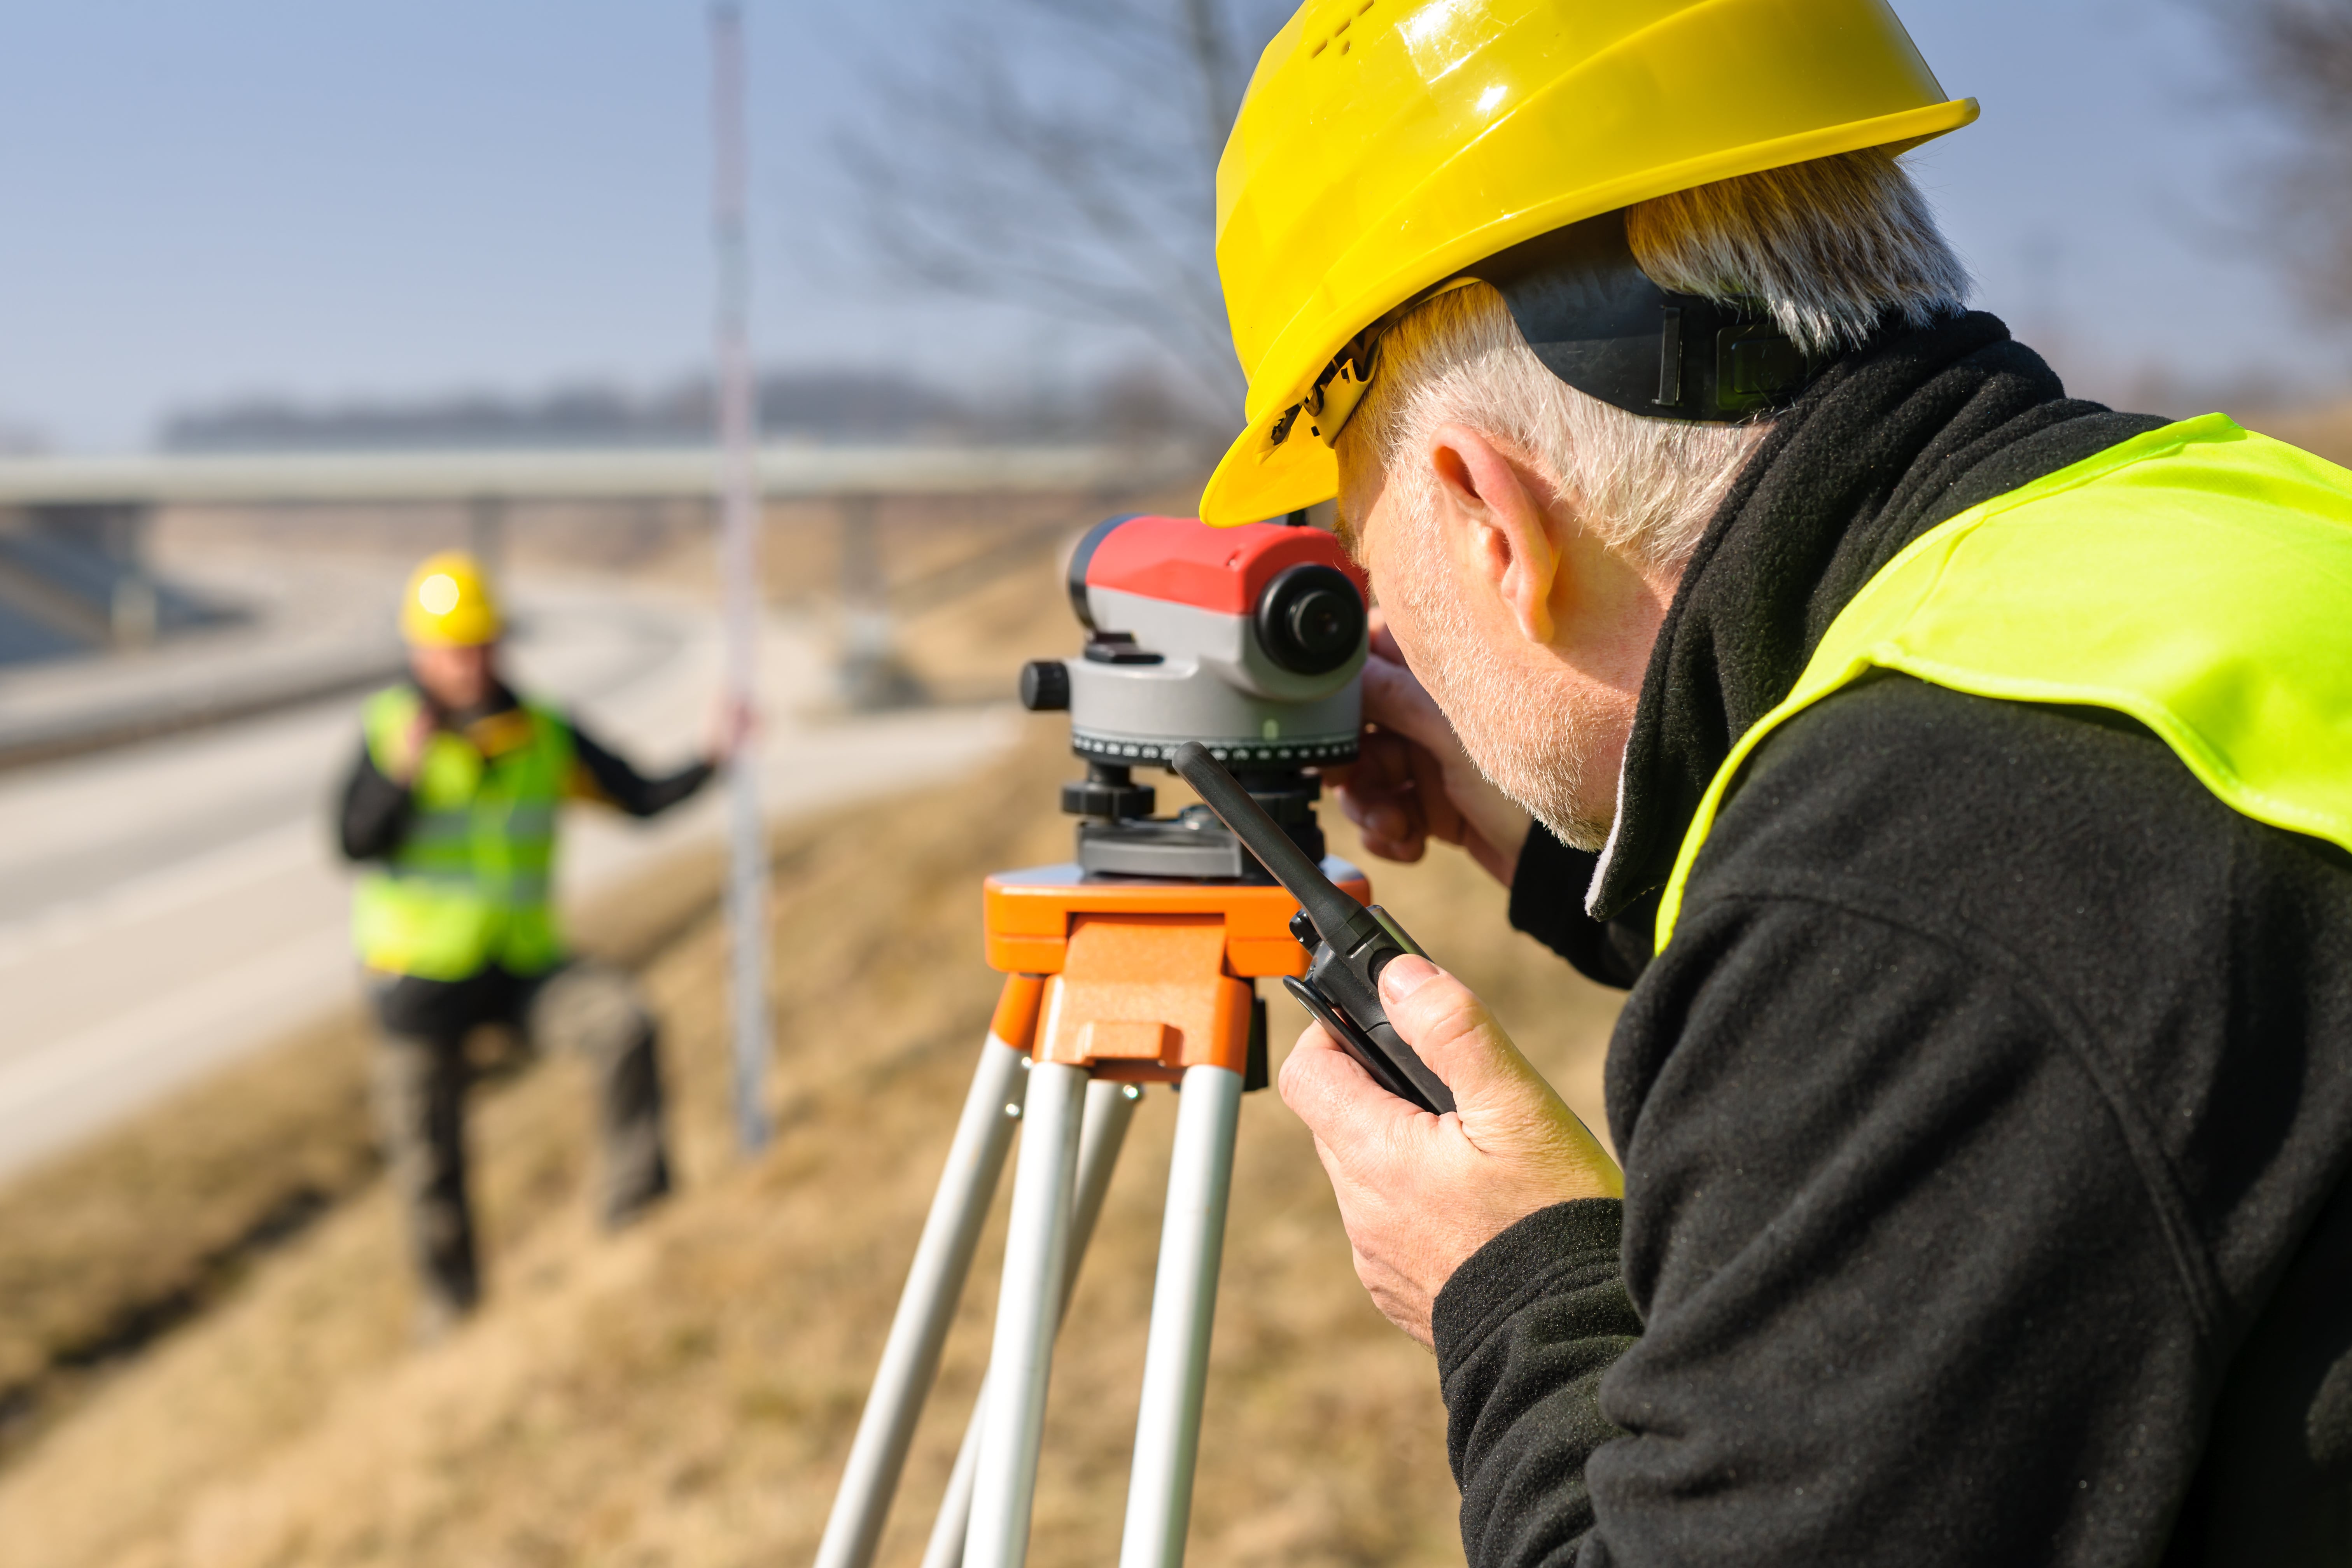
<point x="604" y="776"/>
<point x="1884" y="1226"/>
<point x="1524" y="1331"/>
<point x="375" y="810"/>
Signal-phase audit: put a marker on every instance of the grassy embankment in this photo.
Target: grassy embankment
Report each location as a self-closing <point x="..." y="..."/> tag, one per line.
<point x="683" y="1394"/>
<point x="113" y="1244"/>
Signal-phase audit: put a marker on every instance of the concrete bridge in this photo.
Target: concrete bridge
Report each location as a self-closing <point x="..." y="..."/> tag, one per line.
<point x="75" y="578"/>
<point x="72" y="528"/>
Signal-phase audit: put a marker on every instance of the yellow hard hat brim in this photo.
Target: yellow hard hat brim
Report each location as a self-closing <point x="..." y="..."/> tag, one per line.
<point x="1257" y="479"/>
<point x="469" y="625"/>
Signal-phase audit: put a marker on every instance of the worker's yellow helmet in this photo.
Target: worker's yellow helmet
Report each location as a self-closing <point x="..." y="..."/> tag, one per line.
<point x="449" y="603"/>
<point x="1386" y="145"/>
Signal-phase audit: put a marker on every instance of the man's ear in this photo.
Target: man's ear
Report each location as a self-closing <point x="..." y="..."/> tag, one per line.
<point x="1494" y="508"/>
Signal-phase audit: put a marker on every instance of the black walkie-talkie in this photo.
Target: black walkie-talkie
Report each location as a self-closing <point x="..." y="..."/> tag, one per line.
<point x="1351" y="943"/>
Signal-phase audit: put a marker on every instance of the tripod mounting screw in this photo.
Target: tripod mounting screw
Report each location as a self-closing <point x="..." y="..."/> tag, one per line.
<point x="1046" y="686"/>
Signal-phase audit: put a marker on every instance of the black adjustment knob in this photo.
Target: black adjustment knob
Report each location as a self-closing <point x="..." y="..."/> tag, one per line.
<point x="1111" y="802"/>
<point x="1109" y="792"/>
<point x="1046" y="686"/>
<point x="1310" y="620"/>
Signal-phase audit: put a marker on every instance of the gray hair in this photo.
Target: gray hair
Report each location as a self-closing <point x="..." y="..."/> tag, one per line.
<point x="1829" y="247"/>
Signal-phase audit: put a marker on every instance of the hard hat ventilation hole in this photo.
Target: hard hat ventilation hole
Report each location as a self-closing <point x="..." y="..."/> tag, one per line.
<point x="1326" y="41"/>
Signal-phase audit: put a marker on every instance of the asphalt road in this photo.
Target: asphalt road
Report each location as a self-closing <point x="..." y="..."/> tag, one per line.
<point x="166" y="906"/>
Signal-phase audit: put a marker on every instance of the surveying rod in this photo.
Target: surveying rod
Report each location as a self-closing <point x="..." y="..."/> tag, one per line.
<point x="739" y="568"/>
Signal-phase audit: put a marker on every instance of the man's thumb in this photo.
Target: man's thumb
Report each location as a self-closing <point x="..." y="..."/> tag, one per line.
<point x="1448" y="1027"/>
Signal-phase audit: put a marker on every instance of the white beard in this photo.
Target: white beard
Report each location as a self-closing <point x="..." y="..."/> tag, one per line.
<point x="1526" y="735"/>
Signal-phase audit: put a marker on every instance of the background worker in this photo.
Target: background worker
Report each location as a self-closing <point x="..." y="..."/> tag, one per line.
<point x="452" y="799"/>
<point x="1958" y="774"/>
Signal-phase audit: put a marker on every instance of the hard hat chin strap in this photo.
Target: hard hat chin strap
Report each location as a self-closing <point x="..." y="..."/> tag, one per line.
<point x="1598" y="323"/>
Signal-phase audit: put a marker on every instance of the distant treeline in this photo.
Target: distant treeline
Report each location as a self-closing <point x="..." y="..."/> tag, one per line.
<point x="831" y="406"/>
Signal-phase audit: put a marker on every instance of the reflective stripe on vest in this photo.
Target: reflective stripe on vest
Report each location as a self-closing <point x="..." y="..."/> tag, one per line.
<point x="437" y="830"/>
<point x="2197" y="578"/>
<point x="470" y="884"/>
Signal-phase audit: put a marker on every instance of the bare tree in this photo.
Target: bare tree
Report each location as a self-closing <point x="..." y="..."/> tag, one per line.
<point x="2299" y="54"/>
<point x="1062" y="154"/>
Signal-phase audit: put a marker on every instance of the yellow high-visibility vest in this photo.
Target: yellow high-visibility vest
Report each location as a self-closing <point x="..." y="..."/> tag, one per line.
<point x="469" y="885"/>
<point x="2197" y="578"/>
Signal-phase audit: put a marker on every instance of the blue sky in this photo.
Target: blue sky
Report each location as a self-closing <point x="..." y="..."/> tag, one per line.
<point x="399" y="200"/>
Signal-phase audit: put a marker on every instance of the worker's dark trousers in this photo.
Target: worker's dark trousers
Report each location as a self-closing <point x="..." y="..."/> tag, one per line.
<point x="420" y="1088"/>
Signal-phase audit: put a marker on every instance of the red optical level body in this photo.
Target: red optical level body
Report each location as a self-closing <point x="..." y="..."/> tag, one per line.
<point x="1249" y="640"/>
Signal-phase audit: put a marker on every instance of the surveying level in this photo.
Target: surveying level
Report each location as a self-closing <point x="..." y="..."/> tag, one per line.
<point x="1137" y="964"/>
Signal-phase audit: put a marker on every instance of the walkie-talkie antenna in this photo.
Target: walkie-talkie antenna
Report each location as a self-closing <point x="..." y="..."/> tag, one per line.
<point x="1338" y="918"/>
<point x="1341" y="985"/>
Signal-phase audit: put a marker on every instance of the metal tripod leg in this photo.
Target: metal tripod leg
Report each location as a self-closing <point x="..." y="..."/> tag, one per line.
<point x="1184" y="1304"/>
<point x="1110" y="1107"/>
<point x="1020" y="1361"/>
<point x="911" y="1357"/>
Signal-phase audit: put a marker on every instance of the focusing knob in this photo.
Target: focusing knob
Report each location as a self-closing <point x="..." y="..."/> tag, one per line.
<point x="1310" y="620"/>
<point x="1046" y="686"/>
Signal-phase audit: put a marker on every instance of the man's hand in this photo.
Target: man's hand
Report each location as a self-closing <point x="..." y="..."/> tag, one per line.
<point x="1412" y="782"/>
<point x="731" y="723"/>
<point x="413" y="739"/>
<point x="1419" y="1194"/>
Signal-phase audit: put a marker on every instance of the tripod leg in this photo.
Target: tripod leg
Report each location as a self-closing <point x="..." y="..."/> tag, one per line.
<point x="1109" y="1108"/>
<point x="911" y="1357"/>
<point x="1020" y="1361"/>
<point x="945" y="1549"/>
<point x="1183" y="1303"/>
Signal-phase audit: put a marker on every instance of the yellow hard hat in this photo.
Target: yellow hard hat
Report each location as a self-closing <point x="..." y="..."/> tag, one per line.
<point x="1386" y="145"/>
<point x="449" y="603"/>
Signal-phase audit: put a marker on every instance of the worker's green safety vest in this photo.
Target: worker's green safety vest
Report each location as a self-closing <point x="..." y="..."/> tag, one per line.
<point x="2197" y="578"/>
<point x="469" y="885"/>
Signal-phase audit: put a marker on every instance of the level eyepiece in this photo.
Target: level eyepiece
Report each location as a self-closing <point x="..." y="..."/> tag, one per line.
<point x="1310" y="619"/>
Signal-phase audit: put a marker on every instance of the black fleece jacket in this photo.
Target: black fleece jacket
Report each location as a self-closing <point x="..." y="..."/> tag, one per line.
<point x="1986" y="1125"/>
<point x="374" y="814"/>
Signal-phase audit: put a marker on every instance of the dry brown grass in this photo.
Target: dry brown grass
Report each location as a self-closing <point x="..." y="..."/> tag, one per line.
<point x="683" y="1394"/>
<point x="115" y="1241"/>
<point x="112" y="1242"/>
